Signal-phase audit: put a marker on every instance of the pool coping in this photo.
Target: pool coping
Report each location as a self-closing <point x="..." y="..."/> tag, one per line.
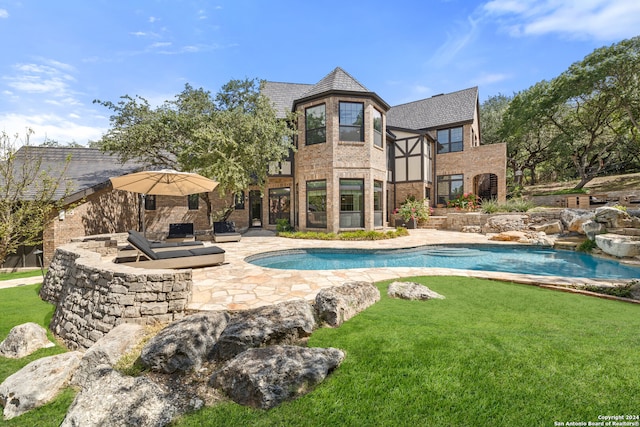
<point x="239" y="285"/>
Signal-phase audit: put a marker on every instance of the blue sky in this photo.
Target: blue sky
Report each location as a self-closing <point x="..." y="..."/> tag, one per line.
<point x="58" y="56"/>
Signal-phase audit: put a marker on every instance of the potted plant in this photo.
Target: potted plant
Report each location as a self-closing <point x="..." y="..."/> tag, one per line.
<point x="411" y="211"/>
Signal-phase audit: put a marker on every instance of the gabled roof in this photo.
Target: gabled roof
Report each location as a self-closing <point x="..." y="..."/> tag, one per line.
<point x="434" y="112"/>
<point x="282" y="95"/>
<point x="87" y="167"/>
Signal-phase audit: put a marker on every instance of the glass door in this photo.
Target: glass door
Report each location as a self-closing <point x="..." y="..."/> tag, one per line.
<point x="255" y="208"/>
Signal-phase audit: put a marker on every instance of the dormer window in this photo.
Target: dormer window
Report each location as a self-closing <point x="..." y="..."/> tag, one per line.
<point x="316" y="124"/>
<point x="352" y="121"/>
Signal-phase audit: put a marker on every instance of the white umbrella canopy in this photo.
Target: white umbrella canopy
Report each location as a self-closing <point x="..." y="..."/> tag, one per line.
<point x="166" y="182"/>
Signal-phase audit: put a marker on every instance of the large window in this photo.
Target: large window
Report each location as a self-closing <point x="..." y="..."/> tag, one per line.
<point x="351" y="121"/>
<point x="238" y="200"/>
<point x="317" y="204"/>
<point x="449" y="187"/>
<point x="150" y="202"/>
<point x="449" y="140"/>
<point x="377" y="203"/>
<point x="315" y="124"/>
<point x="279" y="204"/>
<point x="351" y="203"/>
<point x="193" y="201"/>
<point x="377" y="128"/>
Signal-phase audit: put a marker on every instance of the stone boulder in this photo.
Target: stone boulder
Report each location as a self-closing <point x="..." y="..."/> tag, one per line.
<point x="284" y="323"/>
<point x="573" y="219"/>
<point x="340" y="303"/>
<point x="527" y="237"/>
<point x="411" y="291"/>
<point x="509" y="236"/>
<point x="37" y="383"/>
<point x="553" y="227"/>
<point x="184" y="344"/>
<point x="23" y="340"/>
<point x="107" y="351"/>
<point x="592" y="228"/>
<point x="618" y="245"/>
<point x="265" y="377"/>
<point x="612" y="217"/>
<point x="113" y="399"/>
<point x="501" y="223"/>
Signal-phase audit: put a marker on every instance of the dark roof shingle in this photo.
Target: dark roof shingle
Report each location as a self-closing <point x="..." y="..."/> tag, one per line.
<point x="87" y="167"/>
<point x="282" y="95"/>
<point x="439" y="110"/>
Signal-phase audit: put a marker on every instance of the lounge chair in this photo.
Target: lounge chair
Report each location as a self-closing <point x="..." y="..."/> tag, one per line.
<point x="225" y="231"/>
<point x="181" y="257"/>
<point x="128" y="253"/>
<point x="181" y="232"/>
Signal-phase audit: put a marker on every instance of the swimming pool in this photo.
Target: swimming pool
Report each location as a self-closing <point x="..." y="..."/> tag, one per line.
<point x="507" y="259"/>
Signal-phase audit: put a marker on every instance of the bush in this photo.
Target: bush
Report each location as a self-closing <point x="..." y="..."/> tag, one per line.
<point x="283" y="225"/>
<point x="512" y="205"/>
<point x="587" y="246"/>
<point x="348" y="235"/>
<point x="491" y="206"/>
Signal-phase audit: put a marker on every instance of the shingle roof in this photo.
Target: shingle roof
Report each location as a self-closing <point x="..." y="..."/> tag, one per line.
<point x="439" y="110"/>
<point x="285" y="95"/>
<point x="282" y="95"/>
<point x="337" y="80"/>
<point x="87" y="168"/>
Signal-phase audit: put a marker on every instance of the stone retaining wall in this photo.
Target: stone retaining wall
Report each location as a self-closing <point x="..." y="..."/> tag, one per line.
<point x="458" y="221"/>
<point x="92" y="295"/>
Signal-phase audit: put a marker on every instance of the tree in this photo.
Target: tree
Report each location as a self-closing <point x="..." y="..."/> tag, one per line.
<point x="231" y="138"/>
<point x="491" y="115"/>
<point x="29" y="194"/>
<point x="528" y="132"/>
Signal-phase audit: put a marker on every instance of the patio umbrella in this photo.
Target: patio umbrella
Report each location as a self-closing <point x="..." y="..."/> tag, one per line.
<point x="166" y="182"/>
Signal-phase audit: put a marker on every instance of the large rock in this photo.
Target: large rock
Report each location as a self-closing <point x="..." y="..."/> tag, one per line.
<point x="37" y="383"/>
<point x="284" y="323"/>
<point x="23" y="340"/>
<point x="412" y="291"/>
<point x="107" y="351"/>
<point x="501" y="223"/>
<point x="592" y="228"/>
<point x="618" y="245"/>
<point x="612" y="217"/>
<point x="340" y="303"/>
<point x="553" y="227"/>
<point x="113" y="399"/>
<point x="573" y="219"/>
<point x="184" y="344"/>
<point x="265" y="377"/>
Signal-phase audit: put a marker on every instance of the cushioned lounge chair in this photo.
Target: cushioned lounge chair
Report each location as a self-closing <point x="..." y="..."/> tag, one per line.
<point x="128" y="253"/>
<point x="225" y="232"/>
<point x="180" y="257"/>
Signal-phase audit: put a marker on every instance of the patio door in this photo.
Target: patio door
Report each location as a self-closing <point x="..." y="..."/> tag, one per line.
<point x="255" y="208"/>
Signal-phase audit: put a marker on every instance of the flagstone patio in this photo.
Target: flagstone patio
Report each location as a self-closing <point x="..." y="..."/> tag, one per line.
<point x="239" y="285"/>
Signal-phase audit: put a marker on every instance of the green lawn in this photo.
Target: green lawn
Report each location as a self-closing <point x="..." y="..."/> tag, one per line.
<point x="21" y="274"/>
<point x="491" y="353"/>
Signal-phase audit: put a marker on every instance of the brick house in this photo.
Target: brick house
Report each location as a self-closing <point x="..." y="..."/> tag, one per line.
<point x="357" y="158"/>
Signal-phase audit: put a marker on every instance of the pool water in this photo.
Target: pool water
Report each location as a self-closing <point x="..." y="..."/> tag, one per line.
<point x="507" y="259"/>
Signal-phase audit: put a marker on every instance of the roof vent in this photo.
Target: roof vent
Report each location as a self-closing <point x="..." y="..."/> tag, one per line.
<point x="440" y="94"/>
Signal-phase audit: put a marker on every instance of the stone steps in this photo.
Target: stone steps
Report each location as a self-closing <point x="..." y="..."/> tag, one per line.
<point x="435" y="223"/>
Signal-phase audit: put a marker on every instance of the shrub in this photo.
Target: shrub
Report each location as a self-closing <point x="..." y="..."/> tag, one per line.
<point x="349" y="235"/>
<point x="519" y="205"/>
<point x="587" y="246"/>
<point x="491" y="206"/>
<point x="412" y="209"/>
<point x="283" y="225"/>
<point x="466" y="201"/>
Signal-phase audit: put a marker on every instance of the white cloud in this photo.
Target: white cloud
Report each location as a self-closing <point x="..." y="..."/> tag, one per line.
<point x="50" y="126"/>
<point x="152" y="19"/>
<point x="4" y="13"/>
<point x="461" y="35"/>
<point x="597" y="19"/>
<point x="49" y="77"/>
<point x="489" y="78"/>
